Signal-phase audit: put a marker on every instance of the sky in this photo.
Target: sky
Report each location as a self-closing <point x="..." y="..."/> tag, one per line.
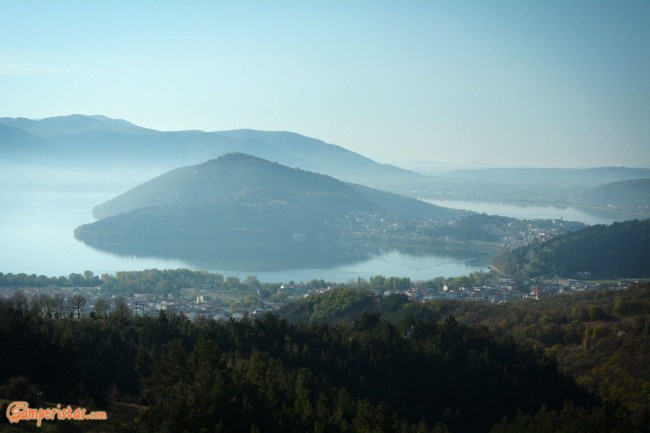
<point x="502" y="83"/>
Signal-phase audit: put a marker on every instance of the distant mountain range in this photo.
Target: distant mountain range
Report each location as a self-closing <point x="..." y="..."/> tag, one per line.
<point x="584" y="187"/>
<point x="243" y="203"/>
<point x="569" y="177"/>
<point x="98" y="141"/>
<point x="112" y="147"/>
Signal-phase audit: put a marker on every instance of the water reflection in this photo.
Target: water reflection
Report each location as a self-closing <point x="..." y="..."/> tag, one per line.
<point x="36" y="229"/>
<point x="323" y="256"/>
<point x="36" y="237"/>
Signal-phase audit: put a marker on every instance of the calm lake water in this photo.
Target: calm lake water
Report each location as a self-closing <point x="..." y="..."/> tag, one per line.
<point x="567" y="213"/>
<point x="36" y="236"/>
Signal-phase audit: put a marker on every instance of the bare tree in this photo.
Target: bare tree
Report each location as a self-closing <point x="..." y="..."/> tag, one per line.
<point x="59" y="304"/>
<point x="78" y="301"/>
<point x="19" y="300"/>
<point x="36" y="305"/>
<point x="41" y="304"/>
<point x="50" y="304"/>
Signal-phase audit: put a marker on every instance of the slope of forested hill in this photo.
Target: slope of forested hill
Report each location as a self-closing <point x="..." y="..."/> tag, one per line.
<point x="244" y="179"/>
<point x="619" y="250"/>
<point x="634" y="192"/>
<point x="240" y="210"/>
<point x="268" y="375"/>
<point x="239" y="197"/>
<point x="599" y="338"/>
<point x="392" y="365"/>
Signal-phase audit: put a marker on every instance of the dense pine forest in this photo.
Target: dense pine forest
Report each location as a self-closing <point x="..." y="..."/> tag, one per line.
<point x="568" y="363"/>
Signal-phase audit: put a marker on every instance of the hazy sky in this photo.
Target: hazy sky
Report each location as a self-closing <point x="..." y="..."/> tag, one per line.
<point x="535" y="83"/>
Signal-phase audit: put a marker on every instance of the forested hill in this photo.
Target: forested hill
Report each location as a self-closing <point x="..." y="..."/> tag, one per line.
<point x="240" y="206"/>
<point x="391" y="366"/>
<point x="240" y="179"/>
<point x="600" y="338"/>
<point x="618" y="250"/>
<point x="268" y="375"/>
<point x="635" y="192"/>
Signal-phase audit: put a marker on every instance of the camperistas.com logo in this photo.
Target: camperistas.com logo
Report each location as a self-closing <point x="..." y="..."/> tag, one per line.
<point x="20" y="411"/>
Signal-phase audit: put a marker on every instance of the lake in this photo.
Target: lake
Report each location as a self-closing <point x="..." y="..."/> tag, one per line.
<point x="36" y="237"/>
<point x="567" y="213"/>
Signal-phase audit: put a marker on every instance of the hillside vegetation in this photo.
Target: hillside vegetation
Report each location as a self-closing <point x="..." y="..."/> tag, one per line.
<point x="245" y="180"/>
<point x="565" y="364"/>
<point x="239" y="206"/>
<point x="600" y="338"/>
<point x="627" y="193"/>
<point x="618" y="250"/>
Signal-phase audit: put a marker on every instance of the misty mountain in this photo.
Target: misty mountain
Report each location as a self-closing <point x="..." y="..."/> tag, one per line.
<point x="19" y="146"/>
<point x="101" y="142"/>
<point x="115" y="147"/>
<point x="250" y="182"/>
<point x="534" y="186"/>
<point x="61" y="126"/>
<point x="568" y="177"/>
<point x="240" y="210"/>
<point x="336" y="161"/>
<point x="626" y="193"/>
